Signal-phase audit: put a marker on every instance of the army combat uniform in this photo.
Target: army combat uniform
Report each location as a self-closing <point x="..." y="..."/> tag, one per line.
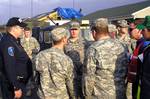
<point x="75" y="50"/>
<point x="56" y="72"/>
<point x="127" y="42"/>
<point x="105" y="70"/>
<point x="31" y="46"/>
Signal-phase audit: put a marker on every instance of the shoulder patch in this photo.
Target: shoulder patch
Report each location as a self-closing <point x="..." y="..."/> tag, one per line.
<point x="11" y="51"/>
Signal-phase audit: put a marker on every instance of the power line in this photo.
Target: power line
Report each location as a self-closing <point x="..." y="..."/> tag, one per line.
<point x="73" y="4"/>
<point x="31" y="8"/>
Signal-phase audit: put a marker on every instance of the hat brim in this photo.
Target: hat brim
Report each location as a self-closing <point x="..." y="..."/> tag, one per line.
<point x="22" y="24"/>
<point x="74" y="28"/>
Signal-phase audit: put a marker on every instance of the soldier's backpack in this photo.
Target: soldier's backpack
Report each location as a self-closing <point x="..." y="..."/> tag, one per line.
<point x="133" y="64"/>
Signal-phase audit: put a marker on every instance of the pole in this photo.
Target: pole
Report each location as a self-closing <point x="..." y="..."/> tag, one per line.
<point x="73" y="4"/>
<point x="10" y="8"/>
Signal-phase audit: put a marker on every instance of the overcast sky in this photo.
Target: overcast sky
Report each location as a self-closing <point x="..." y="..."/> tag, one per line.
<point x="22" y="8"/>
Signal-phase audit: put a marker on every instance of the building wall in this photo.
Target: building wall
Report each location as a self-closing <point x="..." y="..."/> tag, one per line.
<point x="142" y="13"/>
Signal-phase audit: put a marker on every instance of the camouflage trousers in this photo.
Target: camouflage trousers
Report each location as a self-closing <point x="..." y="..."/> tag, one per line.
<point x="129" y="91"/>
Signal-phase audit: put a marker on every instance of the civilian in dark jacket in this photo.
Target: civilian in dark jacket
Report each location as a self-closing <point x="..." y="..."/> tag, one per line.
<point x="145" y="67"/>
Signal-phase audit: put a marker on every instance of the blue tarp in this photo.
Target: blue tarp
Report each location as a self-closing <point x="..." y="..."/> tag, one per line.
<point x="68" y="13"/>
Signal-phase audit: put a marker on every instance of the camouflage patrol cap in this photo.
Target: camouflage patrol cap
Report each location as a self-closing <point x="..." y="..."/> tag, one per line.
<point x="58" y="33"/>
<point x="101" y="23"/>
<point x="122" y="23"/>
<point x="112" y="28"/>
<point x="74" y="25"/>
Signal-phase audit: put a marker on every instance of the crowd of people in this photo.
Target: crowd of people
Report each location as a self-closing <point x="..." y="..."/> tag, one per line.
<point x="114" y="65"/>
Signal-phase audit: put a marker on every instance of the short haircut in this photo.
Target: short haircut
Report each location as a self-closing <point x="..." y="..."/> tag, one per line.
<point x="8" y="29"/>
<point x="100" y="29"/>
<point x="58" y="42"/>
<point x="101" y="25"/>
<point x="27" y="29"/>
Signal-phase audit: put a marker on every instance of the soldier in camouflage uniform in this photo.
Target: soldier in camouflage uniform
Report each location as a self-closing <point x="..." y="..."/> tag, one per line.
<point x="105" y="66"/>
<point x="123" y="35"/>
<point x="75" y="50"/>
<point x="112" y="31"/>
<point x="129" y="44"/>
<point x="56" y="69"/>
<point x="30" y="44"/>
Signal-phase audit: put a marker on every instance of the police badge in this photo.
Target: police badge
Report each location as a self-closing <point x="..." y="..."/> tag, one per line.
<point x="11" y="51"/>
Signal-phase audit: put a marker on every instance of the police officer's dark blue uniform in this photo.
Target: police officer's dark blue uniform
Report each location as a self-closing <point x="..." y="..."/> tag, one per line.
<point x="17" y="67"/>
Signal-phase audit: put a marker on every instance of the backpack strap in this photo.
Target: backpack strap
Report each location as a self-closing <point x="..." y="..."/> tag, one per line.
<point x="136" y="52"/>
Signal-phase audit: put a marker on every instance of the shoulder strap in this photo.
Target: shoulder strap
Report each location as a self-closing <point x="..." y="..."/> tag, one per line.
<point x="136" y="51"/>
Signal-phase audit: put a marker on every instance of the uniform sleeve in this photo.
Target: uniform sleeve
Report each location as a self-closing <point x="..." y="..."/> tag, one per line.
<point x="120" y="74"/>
<point x="10" y="64"/>
<point x="69" y="79"/>
<point x="42" y="68"/>
<point x="89" y="71"/>
<point x="39" y="63"/>
<point x="121" y="66"/>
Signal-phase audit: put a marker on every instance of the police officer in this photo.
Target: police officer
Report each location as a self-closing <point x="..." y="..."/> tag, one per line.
<point x="16" y="65"/>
